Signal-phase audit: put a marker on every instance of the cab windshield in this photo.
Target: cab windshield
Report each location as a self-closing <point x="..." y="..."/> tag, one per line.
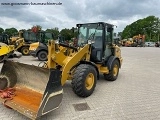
<point x="29" y="36"/>
<point x="48" y="36"/>
<point x="44" y="37"/>
<point x="89" y="31"/>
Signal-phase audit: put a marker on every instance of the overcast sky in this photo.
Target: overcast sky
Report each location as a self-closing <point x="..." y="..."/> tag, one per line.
<point x="71" y="12"/>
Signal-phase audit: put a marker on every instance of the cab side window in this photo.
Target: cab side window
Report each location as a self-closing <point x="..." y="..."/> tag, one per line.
<point x="108" y="37"/>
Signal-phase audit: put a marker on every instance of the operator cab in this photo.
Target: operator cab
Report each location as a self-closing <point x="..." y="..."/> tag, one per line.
<point x="28" y="36"/>
<point x="101" y="34"/>
<point x="4" y="38"/>
<point x="42" y="37"/>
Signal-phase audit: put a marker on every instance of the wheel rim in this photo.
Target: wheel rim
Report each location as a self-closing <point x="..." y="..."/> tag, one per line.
<point x="89" y="81"/>
<point x="115" y="70"/>
<point x="43" y="56"/>
<point x="26" y="51"/>
<point x="45" y="65"/>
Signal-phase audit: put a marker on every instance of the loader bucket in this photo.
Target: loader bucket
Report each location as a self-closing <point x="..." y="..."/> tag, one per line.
<point x="37" y="90"/>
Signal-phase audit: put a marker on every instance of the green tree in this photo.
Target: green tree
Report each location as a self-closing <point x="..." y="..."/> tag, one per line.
<point x="149" y="26"/>
<point x="28" y="29"/>
<point x="11" y="31"/>
<point x="67" y="33"/>
<point x="1" y="30"/>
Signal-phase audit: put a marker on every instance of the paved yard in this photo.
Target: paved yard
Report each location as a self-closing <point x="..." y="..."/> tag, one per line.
<point x="135" y="95"/>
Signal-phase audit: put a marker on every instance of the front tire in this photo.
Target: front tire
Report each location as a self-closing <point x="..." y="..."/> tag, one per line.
<point x="113" y="74"/>
<point x="25" y="50"/>
<point x="84" y="80"/>
<point x="42" y="56"/>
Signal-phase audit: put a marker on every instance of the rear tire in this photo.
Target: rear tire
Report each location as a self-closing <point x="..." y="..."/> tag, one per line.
<point x="113" y="74"/>
<point x="42" y="56"/>
<point x="84" y="80"/>
<point x="25" y="50"/>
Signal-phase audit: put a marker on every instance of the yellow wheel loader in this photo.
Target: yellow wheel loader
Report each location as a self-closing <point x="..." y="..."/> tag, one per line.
<point x="27" y="37"/>
<point x="40" y="49"/>
<point x="18" y="43"/>
<point x="36" y="91"/>
<point x="5" y="51"/>
<point x="8" y="50"/>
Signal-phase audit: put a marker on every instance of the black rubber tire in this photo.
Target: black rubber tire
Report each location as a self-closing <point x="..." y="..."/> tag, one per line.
<point x="3" y="82"/>
<point x="2" y="58"/>
<point x="79" y="77"/>
<point x="19" y="49"/>
<point x="42" y="56"/>
<point x="110" y="76"/>
<point x="22" y="50"/>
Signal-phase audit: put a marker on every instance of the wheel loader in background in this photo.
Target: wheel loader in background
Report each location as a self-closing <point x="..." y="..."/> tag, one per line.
<point x="20" y="43"/>
<point x="7" y="50"/>
<point x="128" y="42"/>
<point x="138" y="41"/>
<point x="28" y="37"/>
<point x="40" y="49"/>
<point x="4" y="48"/>
<point x="37" y="91"/>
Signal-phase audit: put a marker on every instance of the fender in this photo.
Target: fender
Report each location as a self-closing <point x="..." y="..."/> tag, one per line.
<point x="110" y="61"/>
<point x="41" y="47"/>
<point x="90" y="63"/>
